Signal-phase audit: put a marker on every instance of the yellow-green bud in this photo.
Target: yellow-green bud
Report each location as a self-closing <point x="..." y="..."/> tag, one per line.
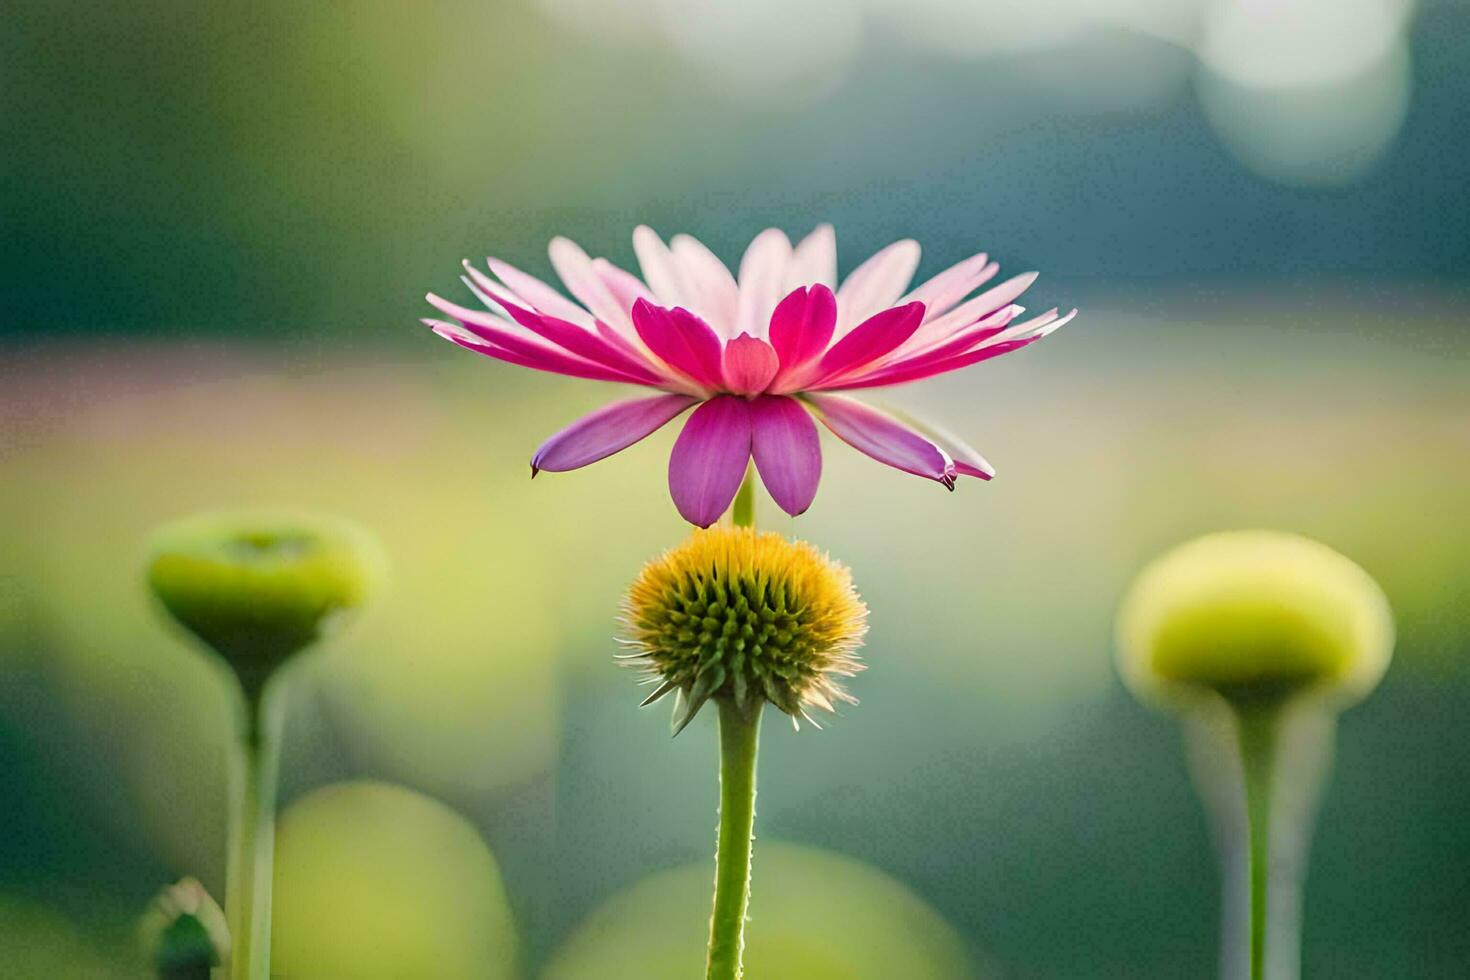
<point x="183" y="933"/>
<point x="259" y="587"/>
<point x="1253" y="616"/>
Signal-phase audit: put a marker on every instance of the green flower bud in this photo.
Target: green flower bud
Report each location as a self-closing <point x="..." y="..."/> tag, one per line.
<point x="1255" y="616"/>
<point x="183" y="933"/>
<point x="258" y="588"/>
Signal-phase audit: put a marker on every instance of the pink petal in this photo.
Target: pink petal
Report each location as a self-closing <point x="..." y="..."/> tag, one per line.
<point x="710" y="288"/>
<point x="940" y="294"/>
<point x="536" y="294"/>
<point x="801" y="328"/>
<point x="996" y="346"/>
<point x="626" y="288"/>
<point x="516" y="350"/>
<point x="814" y="260"/>
<point x="967" y="462"/>
<point x="749" y="365"/>
<point x="871" y="339"/>
<point x="659" y="269"/>
<point x="709" y="458"/>
<point x="582" y="281"/>
<point x="876" y="284"/>
<point x="762" y="274"/>
<point x="606" y="431"/>
<point x="981" y="306"/>
<point x="567" y="336"/>
<point x="884" y="438"/>
<point x="684" y="341"/>
<point x="908" y="358"/>
<point x="787" y="452"/>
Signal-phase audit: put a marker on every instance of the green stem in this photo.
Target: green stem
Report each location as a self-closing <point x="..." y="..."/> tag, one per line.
<point x="1257" y="729"/>
<point x="742" y="512"/>
<point x="739" y="735"/>
<point x="252" y="840"/>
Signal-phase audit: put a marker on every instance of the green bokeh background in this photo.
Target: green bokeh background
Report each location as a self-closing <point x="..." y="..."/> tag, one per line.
<point x="217" y="225"/>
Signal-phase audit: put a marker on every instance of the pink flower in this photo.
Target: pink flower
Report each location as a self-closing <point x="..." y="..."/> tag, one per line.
<point x="759" y="354"/>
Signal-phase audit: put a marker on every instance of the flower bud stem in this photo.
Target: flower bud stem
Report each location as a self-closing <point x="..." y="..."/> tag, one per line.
<point x="1258" y="727"/>
<point x="252" y="836"/>
<point x="739" y="739"/>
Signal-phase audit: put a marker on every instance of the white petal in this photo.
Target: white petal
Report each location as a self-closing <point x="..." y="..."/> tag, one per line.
<point x="659" y="269"/>
<point x="940" y="294"/>
<point x="539" y="296"/>
<point x="762" y="274"/>
<point x="583" y="282"/>
<point x="712" y="292"/>
<point x="813" y="261"/>
<point x="877" y="284"/>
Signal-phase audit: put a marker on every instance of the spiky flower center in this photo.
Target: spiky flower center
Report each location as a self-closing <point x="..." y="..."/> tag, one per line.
<point x="748" y="616"/>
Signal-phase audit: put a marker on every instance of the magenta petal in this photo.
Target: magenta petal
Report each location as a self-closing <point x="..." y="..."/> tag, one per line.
<point x="749" y="365"/>
<point x="787" y="452"/>
<point x="871" y="339"/>
<point x="505" y="346"/>
<point x="802" y="326"/>
<point x="884" y="438"/>
<point x="606" y="431"/>
<point x="709" y="457"/>
<point x="684" y="341"/>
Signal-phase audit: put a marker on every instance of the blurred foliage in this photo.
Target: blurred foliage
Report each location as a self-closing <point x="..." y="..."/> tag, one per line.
<point x="376" y="881"/>
<point x="995" y="765"/>
<point x="814" y="916"/>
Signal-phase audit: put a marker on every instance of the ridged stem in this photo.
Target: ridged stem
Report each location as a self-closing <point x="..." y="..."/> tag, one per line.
<point x="739" y="735"/>
<point x="739" y="738"/>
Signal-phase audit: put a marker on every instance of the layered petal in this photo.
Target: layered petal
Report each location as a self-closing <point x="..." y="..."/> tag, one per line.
<point x="538" y="295"/>
<point x="659" y="269"/>
<point x="814" y="260"/>
<point x="581" y="279"/>
<point x="876" y="284"/>
<point x="515" y="350"/>
<point x="710" y="289"/>
<point x="709" y="459"/>
<point x="749" y="365"/>
<point x="1012" y="338"/>
<point x="884" y="438"/>
<point x="762" y="274"/>
<point x="682" y="340"/>
<point x="606" y="431"/>
<point x="868" y="341"/>
<point x="787" y="451"/>
<point x="801" y="328"/>
<point x="940" y="294"/>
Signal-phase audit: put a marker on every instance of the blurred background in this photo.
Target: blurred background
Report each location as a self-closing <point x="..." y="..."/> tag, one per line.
<point x="219" y="219"/>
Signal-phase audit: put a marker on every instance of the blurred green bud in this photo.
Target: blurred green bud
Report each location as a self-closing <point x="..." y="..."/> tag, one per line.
<point x="258" y="588"/>
<point x="183" y="933"/>
<point x="1255" y="616"/>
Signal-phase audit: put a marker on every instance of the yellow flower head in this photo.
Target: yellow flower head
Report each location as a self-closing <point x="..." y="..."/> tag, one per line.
<point x="1253" y="615"/>
<point x="735" y="613"/>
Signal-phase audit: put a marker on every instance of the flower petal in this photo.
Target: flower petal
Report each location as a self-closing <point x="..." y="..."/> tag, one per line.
<point x="876" y="284"/>
<point x="967" y="462"/>
<point x="940" y="294"/>
<point x="711" y="290"/>
<point x="801" y="328"/>
<point x="1002" y="343"/>
<point x="762" y="274"/>
<point x="684" y="341"/>
<point x="567" y="336"/>
<point x="709" y="458"/>
<point x="787" y="452"/>
<point x="974" y="309"/>
<point x="516" y="350"/>
<point x="884" y="438"/>
<point x="606" y="431"/>
<point x="870" y="340"/>
<point x="577" y="273"/>
<point x="659" y="269"/>
<point x="814" y="260"/>
<point x="537" y="295"/>
<point x="749" y="365"/>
